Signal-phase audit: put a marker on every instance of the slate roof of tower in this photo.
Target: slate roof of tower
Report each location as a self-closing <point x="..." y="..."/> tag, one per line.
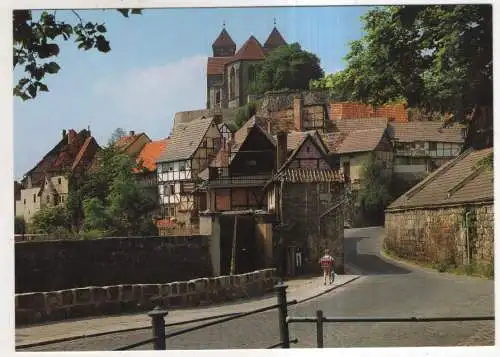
<point x="275" y="39"/>
<point x="224" y="39"/>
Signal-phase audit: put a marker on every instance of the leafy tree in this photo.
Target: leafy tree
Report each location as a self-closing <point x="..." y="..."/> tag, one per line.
<point x="288" y="66"/>
<point x="35" y="45"/>
<point x="49" y="220"/>
<point x="112" y="201"/>
<point x="94" y="213"/>
<point x="436" y="57"/>
<point x="374" y="193"/>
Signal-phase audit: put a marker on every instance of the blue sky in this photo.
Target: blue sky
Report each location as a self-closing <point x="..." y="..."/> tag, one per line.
<point x="157" y="67"/>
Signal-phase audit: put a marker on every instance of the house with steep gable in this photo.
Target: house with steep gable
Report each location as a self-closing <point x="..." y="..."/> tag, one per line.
<point x="50" y="181"/>
<point x="351" y="150"/>
<point x="236" y="177"/>
<point x="191" y="147"/>
<point x="306" y="195"/>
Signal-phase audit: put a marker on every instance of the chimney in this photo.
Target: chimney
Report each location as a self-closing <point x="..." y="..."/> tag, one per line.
<point x="281" y="149"/>
<point x="298" y="105"/>
<point x="64" y="133"/>
<point x="131" y="133"/>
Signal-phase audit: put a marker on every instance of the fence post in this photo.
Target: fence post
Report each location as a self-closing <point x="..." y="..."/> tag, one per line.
<point x="158" y="325"/>
<point x="319" y="328"/>
<point x="283" y="314"/>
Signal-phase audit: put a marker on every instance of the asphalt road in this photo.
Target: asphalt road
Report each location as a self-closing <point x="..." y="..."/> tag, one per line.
<point x="386" y="289"/>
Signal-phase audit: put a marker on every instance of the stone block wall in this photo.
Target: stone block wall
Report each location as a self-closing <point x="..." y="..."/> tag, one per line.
<point x="303" y="204"/>
<point x="440" y="235"/>
<point x="37" y="307"/>
<point x="66" y="264"/>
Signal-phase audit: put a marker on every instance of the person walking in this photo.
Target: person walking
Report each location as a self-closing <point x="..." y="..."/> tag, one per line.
<point x="327" y="263"/>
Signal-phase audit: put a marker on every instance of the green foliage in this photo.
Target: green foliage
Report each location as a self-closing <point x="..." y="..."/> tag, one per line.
<point x="288" y="66"/>
<point x="94" y="213"/>
<point x="374" y="193"/>
<point x="245" y="112"/>
<point x="112" y="201"/>
<point x="434" y="57"/>
<point x="19" y="225"/>
<point x="35" y="45"/>
<point x="50" y="220"/>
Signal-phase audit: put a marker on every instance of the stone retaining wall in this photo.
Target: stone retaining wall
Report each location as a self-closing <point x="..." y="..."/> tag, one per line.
<point x="66" y="264"/>
<point x="439" y="235"/>
<point x="93" y="301"/>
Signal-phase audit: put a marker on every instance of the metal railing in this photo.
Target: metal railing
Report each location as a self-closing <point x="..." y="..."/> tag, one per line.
<point x="319" y="320"/>
<point x="160" y="335"/>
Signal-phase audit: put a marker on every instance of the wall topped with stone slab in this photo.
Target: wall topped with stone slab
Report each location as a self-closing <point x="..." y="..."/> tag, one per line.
<point x="66" y="264"/>
<point x="38" y="307"/>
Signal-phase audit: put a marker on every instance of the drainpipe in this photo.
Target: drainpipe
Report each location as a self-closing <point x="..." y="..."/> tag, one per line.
<point x="467" y="243"/>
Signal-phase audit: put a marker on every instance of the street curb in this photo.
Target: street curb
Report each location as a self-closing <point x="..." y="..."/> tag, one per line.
<point x="418" y="267"/>
<point x="97" y="334"/>
<point x="330" y="289"/>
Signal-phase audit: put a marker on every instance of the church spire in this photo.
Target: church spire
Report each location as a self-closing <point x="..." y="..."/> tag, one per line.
<point x="275" y="39"/>
<point x="224" y="45"/>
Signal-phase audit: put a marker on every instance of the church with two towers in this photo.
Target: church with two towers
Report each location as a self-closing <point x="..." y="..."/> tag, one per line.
<point x="229" y="72"/>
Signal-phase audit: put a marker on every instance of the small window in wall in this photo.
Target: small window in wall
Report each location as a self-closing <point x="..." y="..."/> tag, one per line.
<point x="432" y="145"/>
<point x="59" y="180"/>
<point x="182" y="167"/>
<point x="34" y="198"/>
<point x="217" y="97"/>
<point x="25" y="201"/>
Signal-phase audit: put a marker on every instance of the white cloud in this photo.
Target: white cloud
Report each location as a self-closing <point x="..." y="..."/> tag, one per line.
<point x="156" y="93"/>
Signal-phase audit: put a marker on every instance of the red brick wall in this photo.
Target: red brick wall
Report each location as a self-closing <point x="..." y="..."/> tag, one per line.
<point x="351" y="110"/>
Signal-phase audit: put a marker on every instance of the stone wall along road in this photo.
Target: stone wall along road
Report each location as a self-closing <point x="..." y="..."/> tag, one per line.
<point x="386" y="289"/>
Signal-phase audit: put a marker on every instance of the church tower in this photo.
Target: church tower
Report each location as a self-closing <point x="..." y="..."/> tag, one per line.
<point x="224" y="45"/>
<point x="274" y="40"/>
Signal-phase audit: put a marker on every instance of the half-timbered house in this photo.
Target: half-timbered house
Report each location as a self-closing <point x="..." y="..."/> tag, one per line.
<point x="237" y="175"/>
<point x="306" y="195"/>
<point x="190" y="149"/>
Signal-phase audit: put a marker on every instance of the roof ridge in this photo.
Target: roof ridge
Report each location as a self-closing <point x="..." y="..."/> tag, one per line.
<point x="420" y="186"/>
<point x="475" y="172"/>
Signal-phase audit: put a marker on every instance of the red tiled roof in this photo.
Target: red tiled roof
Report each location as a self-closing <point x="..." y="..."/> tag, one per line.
<point x="251" y="50"/>
<point x="215" y="65"/>
<point x="224" y="40"/>
<point x="126" y="140"/>
<point x="85" y="149"/>
<point x="150" y="153"/>
<point x="274" y="40"/>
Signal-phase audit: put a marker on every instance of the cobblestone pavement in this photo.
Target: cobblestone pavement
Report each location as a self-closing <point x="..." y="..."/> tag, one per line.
<point x="387" y="289"/>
